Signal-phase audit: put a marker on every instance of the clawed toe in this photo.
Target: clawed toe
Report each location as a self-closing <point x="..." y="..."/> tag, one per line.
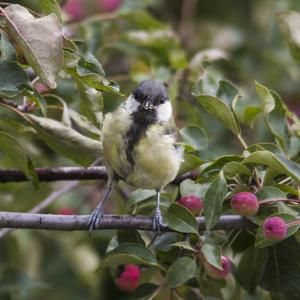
<point x="94" y="220"/>
<point x="158" y="223"/>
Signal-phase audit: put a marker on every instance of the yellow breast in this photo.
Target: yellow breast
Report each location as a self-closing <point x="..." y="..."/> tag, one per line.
<point x="157" y="161"/>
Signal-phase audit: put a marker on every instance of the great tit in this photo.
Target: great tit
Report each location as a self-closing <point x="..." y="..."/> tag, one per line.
<point x="139" y="145"/>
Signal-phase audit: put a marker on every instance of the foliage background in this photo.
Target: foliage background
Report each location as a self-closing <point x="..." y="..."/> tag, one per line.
<point x="240" y="41"/>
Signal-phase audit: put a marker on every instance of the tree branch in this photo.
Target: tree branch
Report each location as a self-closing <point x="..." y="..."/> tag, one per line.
<point x="76" y="222"/>
<point x="71" y="173"/>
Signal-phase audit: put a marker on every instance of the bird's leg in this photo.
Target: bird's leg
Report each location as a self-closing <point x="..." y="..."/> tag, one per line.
<point x="157" y="218"/>
<point x="97" y="213"/>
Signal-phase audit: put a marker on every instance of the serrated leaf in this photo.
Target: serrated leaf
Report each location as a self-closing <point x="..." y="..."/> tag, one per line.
<point x="212" y="254"/>
<point x="275" y="162"/>
<point x="181" y="271"/>
<point x="181" y="220"/>
<point x="251" y="268"/>
<point x="40" y="40"/>
<point x="283" y="264"/>
<point x="66" y="141"/>
<point x="13" y="79"/>
<point x="11" y="147"/>
<point x="289" y="25"/>
<point x="213" y="201"/>
<point x="130" y="253"/>
<point x="194" y="136"/>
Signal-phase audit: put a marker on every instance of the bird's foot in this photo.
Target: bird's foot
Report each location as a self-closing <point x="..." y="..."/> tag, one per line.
<point x="158" y="223"/>
<point x="94" y="219"/>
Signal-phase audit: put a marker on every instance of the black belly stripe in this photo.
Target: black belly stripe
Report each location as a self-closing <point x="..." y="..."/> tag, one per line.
<point x="141" y="120"/>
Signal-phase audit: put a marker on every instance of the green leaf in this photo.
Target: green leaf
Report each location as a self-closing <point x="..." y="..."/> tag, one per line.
<point x="181" y="271"/>
<point x="275" y="114"/>
<point x="11" y="147"/>
<point x="13" y="79"/>
<point x="269" y="192"/>
<point x="251" y="268"/>
<point x="227" y="92"/>
<point x="51" y="6"/>
<point x="213" y="201"/>
<point x="66" y="141"/>
<point x="183" y="245"/>
<point x="165" y="241"/>
<point x="84" y="124"/>
<point x="87" y="70"/>
<point x="92" y="103"/>
<point x="190" y="162"/>
<point x="189" y="187"/>
<point x="130" y="253"/>
<point x="217" y="164"/>
<point x="283" y="264"/>
<point x="194" y="136"/>
<point x="139" y="196"/>
<point x="289" y="24"/>
<point x="180" y="219"/>
<point x="275" y="162"/>
<point x="205" y="86"/>
<point x="217" y="101"/>
<point x="6" y="48"/>
<point x="234" y="168"/>
<point x="250" y="114"/>
<point x="40" y="40"/>
<point x="212" y="254"/>
<point x="219" y="110"/>
<point x="261" y="241"/>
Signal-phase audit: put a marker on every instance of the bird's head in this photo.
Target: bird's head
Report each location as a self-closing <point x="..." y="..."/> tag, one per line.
<point x="150" y="96"/>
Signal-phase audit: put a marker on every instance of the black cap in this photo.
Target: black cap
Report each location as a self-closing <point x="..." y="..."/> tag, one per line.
<point x="150" y="91"/>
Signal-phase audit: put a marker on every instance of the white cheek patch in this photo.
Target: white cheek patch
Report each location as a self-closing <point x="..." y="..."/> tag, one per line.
<point x="164" y="112"/>
<point x="131" y="104"/>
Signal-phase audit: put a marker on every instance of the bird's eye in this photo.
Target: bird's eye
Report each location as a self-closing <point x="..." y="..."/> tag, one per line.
<point x="162" y="100"/>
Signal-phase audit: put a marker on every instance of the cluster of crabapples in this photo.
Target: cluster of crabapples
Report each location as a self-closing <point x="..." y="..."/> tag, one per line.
<point x="246" y="204"/>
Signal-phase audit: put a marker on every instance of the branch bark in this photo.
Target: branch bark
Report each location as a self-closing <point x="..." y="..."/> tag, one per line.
<point x="71" y="173"/>
<point x="79" y="222"/>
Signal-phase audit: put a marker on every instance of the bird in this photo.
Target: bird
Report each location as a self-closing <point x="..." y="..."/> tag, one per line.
<point x="139" y="145"/>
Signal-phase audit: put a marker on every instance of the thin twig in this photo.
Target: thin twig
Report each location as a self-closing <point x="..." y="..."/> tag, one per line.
<point x="45" y="203"/>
